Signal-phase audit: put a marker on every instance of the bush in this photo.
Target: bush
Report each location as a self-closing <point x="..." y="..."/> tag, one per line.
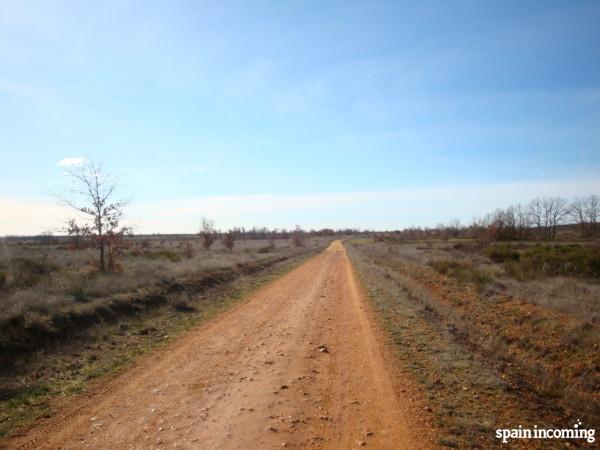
<point x="28" y="272"/>
<point x="182" y="304"/>
<point x="229" y="240"/>
<point x="463" y="271"/>
<point x="3" y="277"/>
<point x="79" y="290"/>
<point x="593" y="263"/>
<point x="554" y="260"/>
<point x="188" y="249"/>
<point x="502" y="253"/>
<point x="162" y="254"/>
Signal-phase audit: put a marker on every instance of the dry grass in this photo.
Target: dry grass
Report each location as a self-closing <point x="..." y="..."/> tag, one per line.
<point x="488" y="354"/>
<point x="40" y="279"/>
<point x="55" y="294"/>
<point x="572" y="294"/>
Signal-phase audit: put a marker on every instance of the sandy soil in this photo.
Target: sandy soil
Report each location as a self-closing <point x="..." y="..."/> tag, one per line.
<point x="298" y="364"/>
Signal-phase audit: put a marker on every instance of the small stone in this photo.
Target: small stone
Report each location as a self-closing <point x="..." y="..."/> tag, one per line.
<point x="362" y="443"/>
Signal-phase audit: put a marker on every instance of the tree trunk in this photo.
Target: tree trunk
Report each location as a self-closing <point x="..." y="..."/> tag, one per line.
<point x="102" y="263"/>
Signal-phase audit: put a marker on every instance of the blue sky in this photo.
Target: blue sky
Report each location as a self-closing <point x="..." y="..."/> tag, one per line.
<point x="362" y="114"/>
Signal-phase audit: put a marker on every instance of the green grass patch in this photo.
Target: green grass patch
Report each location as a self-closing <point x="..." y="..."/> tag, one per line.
<point x="463" y="271"/>
<point x="502" y="253"/>
<point x="553" y="260"/>
<point x="169" y="255"/>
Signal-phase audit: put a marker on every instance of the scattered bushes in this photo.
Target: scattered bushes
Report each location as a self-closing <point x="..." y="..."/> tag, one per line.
<point x="463" y="271"/>
<point x="547" y="260"/>
<point x="502" y="253"/>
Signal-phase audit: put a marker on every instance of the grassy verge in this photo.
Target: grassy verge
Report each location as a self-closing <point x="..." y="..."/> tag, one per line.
<point x="36" y="386"/>
<point x="483" y="364"/>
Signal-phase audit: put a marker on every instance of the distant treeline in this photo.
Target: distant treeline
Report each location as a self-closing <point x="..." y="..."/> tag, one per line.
<point x="240" y="233"/>
<point x="542" y="218"/>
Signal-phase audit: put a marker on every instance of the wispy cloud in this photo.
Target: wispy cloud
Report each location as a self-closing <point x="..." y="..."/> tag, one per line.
<point x="72" y="161"/>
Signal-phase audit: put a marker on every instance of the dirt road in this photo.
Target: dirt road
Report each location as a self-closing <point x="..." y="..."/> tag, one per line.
<point x="295" y="365"/>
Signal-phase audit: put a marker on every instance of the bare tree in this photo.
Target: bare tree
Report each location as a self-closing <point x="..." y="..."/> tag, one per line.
<point x="578" y="214"/>
<point x="483" y="230"/>
<point x="592" y="213"/>
<point x="454" y="227"/>
<point x="442" y="230"/>
<point x="536" y="213"/>
<point x="523" y="223"/>
<point x="207" y="233"/>
<point x="101" y="216"/>
<point x="556" y="211"/>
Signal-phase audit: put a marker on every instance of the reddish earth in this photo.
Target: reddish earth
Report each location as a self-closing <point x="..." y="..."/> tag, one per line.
<point x="299" y="364"/>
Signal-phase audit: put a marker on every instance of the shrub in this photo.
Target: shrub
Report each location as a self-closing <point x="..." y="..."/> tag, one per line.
<point x="207" y="233"/>
<point x="502" y="253"/>
<point x="162" y="254"/>
<point x="463" y="271"/>
<point x="79" y="290"/>
<point x="182" y="304"/>
<point x="297" y="237"/>
<point x="554" y="260"/>
<point x="188" y="249"/>
<point x="229" y="240"/>
<point x="3" y="277"/>
<point x="27" y="272"/>
<point x="593" y="262"/>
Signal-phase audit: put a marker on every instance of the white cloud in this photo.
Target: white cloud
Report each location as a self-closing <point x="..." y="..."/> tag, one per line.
<point x="72" y="161"/>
